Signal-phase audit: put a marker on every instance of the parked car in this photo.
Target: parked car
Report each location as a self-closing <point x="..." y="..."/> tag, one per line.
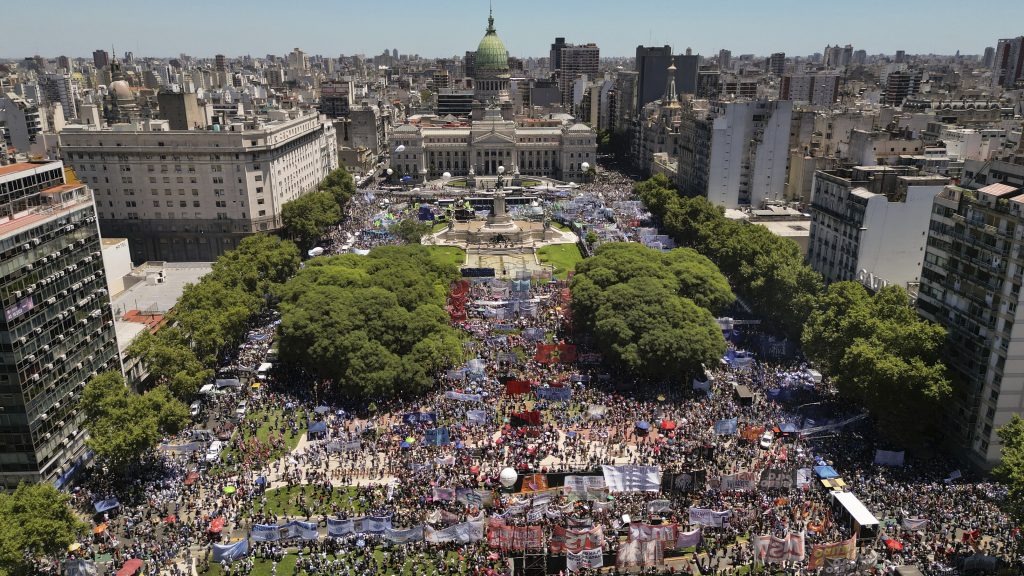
<point x="195" y="408"/>
<point x="240" y="411"/>
<point x="213" y="452"/>
<point x="766" y="439"/>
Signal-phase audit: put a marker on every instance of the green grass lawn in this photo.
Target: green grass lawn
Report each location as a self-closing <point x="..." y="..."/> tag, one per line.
<point x="284" y="502"/>
<point x="531" y="183"/>
<point x="414" y="566"/>
<point x="438" y="226"/>
<point x="452" y="254"/>
<point x="563" y="257"/>
<point x="560" y="226"/>
<point x="456" y="183"/>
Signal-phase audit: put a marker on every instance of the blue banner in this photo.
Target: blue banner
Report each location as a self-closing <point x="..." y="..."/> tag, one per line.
<point x="230" y="552"/>
<point x="302" y="530"/>
<point x="554" y="394"/>
<point x="108" y="504"/>
<point x="265" y="533"/>
<point x="452" y="395"/>
<point x="476" y="416"/>
<point x="726" y="426"/>
<point x="337" y="528"/>
<point x="404" y="536"/>
<point x="436" y="437"/>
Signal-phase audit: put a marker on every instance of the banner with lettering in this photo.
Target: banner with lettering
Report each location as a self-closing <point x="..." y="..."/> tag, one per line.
<point x="505" y="537"/>
<point x="443" y="494"/>
<point x="463" y="533"/>
<point x="636" y="554"/>
<point x="301" y="530"/>
<point x="436" y="437"/>
<point x="632" y="478"/>
<point x="726" y="426"/>
<point x="659" y="506"/>
<point x="474" y="497"/>
<point x="687" y="482"/>
<point x="709" y="517"/>
<point x="554" y="394"/>
<point x="414" y="534"/>
<point x="777" y="478"/>
<point x="820" y="553"/>
<point x="914" y="523"/>
<point x="477" y="417"/>
<point x="585" y="487"/>
<point x="664" y="533"/>
<point x="737" y="482"/>
<point x="772" y="550"/>
<point x="585" y="559"/>
<point x="371" y="524"/>
<point x="265" y="533"/>
<point x="568" y="540"/>
<point x="460" y="397"/>
<point x="230" y="552"/>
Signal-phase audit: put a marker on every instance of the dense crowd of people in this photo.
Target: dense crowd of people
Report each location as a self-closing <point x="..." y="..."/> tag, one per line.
<point x="388" y="460"/>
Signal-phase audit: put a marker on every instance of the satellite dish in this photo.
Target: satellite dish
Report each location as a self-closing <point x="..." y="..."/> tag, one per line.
<point x="508" y="477"/>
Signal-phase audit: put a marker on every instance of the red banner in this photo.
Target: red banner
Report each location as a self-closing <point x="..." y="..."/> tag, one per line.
<point x="500" y="535"/>
<point x="531" y="418"/>
<point x="514" y="387"/>
<point x="575" y="541"/>
<point x="555" y="353"/>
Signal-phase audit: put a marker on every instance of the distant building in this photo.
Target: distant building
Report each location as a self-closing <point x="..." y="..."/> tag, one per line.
<point x="57" y="89"/>
<point x="20" y="122"/>
<point x="869" y="224"/>
<point x="900" y="85"/>
<point x="181" y="110"/>
<point x="100" y="59"/>
<point x="577" y="61"/>
<point x="57" y="325"/>
<point x="191" y="195"/>
<point x="821" y="89"/>
<point x="1009" y="62"/>
<point x="335" y="98"/>
<point x="651" y="64"/>
<point x="458" y="103"/>
<point x="777" y="63"/>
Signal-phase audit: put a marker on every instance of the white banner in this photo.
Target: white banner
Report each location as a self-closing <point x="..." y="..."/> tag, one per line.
<point x="462" y="533"/>
<point x="631" y="478"/>
<point x="914" y="523"/>
<point x="772" y="550"/>
<point x="664" y="533"/>
<point x="404" y="536"/>
<point x="585" y="559"/>
<point x="709" y="517"/>
<point x="585" y="487"/>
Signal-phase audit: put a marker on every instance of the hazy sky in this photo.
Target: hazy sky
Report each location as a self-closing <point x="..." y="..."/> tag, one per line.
<point x="447" y="27"/>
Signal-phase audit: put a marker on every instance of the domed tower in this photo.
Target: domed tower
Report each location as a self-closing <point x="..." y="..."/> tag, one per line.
<point x="120" y="102"/>
<point x="492" y="72"/>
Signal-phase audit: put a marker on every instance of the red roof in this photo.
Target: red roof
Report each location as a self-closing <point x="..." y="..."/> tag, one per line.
<point x="17" y="167"/>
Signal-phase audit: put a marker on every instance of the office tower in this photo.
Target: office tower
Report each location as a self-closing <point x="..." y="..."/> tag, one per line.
<point x="220" y="63"/>
<point x="577" y="61"/>
<point x="64" y="64"/>
<point x="555" y="55"/>
<point x="336" y="98"/>
<point x="58" y="331"/>
<point x="100" y="59"/>
<point x="652" y="63"/>
<point x="777" y="63"/>
<point x="971" y="284"/>
<point x="469" y="64"/>
<point x="860" y="57"/>
<point x="1009" y="62"/>
<point x="901" y="56"/>
<point x="724" y="59"/>
<point x="206" y="189"/>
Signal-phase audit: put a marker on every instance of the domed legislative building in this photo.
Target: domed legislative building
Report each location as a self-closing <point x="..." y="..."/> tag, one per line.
<point x="548" y="147"/>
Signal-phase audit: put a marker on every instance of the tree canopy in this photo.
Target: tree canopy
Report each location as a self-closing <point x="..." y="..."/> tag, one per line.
<point x="766" y="271"/>
<point x="38" y="521"/>
<point x="307" y="217"/>
<point x="374" y="325"/>
<point x="882" y="356"/>
<point x="123" y="425"/>
<point x="649" y="311"/>
<point x="341" y="185"/>
<point x="1011" y="468"/>
<point x="411" y="230"/>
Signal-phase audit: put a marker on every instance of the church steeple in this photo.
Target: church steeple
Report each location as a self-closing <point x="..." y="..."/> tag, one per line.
<point x="670" y="86"/>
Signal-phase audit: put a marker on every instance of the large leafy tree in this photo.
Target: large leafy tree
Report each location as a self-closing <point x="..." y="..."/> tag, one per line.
<point x="881" y="356"/>
<point x="307" y="217"/>
<point x="766" y="271"/>
<point x="1011" y="467"/>
<point x="374" y="325"/>
<point x="341" y="185"/>
<point x="648" y="310"/>
<point x="37" y="522"/>
<point x="411" y="230"/>
<point x="122" y="425"/>
<point x="171" y="360"/>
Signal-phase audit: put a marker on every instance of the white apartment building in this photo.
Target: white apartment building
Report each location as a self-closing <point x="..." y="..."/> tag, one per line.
<point x="971" y="144"/>
<point x="748" y="153"/>
<point x="186" y="195"/>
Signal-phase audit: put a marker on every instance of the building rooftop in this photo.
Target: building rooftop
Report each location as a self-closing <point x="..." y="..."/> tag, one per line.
<point x="17" y="167"/>
<point x="999" y="190"/>
<point x="150" y="296"/>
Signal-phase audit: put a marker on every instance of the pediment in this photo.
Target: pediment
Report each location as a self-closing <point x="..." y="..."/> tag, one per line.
<point x="493" y="138"/>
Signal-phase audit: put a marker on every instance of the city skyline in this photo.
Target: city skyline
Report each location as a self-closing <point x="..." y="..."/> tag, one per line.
<point x="450" y="27"/>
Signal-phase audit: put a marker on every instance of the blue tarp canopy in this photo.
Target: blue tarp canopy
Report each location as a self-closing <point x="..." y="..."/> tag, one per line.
<point x="788" y="428"/>
<point x="642" y="425"/>
<point x="261" y="481"/>
<point x="825" y="472"/>
<point x="104" y="505"/>
<point x="317" y="427"/>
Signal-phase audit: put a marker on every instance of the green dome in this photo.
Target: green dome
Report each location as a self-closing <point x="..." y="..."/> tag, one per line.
<point x="491" y="53"/>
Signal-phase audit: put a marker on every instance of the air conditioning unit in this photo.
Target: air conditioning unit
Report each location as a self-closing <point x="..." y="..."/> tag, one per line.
<point x="31" y="288"/>
<point x="28" y="267"/>
<point x="17" y="293"/>
<point x="46" y="348"/>
<point x="26" y="247"/>
<point x="30" y="358"/>
<point x="36" y="241"/>
<point x="34" y="377"/>
<point x="62" y="357"/>
<point x="48" y="367"/>
<point x="46" y="436"/>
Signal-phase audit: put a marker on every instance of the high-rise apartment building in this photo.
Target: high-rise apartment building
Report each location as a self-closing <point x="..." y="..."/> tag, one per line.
<point x="577" y="61"/>
<point x="336" y="98"/>
<point x="819" y="89"/>
<point x="57" y="89"/>
<point x="989" y="58"/>
<point x="1009" y="62"/>
<point x="777" y="63"/>
<point x="899" y="85"/>
<point x="971" y="284"/>
<point x="724" y="60"/>
<point x="57" y="330"/>
<point x="191" y="195"/>
<point x="555" y="56"/>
